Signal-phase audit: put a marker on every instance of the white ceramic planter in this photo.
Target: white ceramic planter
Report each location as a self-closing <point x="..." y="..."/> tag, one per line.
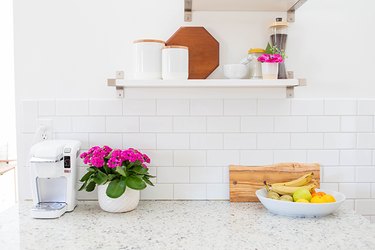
<point x="270" y="70"/>
<point x="126" y="202"/>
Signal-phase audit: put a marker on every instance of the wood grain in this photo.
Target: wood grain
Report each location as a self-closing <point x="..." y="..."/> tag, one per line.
<point x="245" y="180"/>
<point x="203" y="50"/>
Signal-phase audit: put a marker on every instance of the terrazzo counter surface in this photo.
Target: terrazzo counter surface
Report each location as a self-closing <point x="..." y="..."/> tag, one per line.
<point x="183" y="225"/>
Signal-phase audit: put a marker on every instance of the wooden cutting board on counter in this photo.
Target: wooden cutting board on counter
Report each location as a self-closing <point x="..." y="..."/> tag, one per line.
<point x="244" y="181"/>
<point x="203" y="50"/>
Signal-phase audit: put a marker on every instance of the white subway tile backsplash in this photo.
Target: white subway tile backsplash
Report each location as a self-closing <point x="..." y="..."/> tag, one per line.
<point x="348" y="204"/>
<point x="340" y="107"/>
<point x="324" y="123"/>
<point x="365" y="206"/>
<point x="176" y="107"/>
<point x="206" y="107"/>
<point x="365" y="174"/>
<point x="373" y="190"/>
<point x="89" y="124"/>
<point x="366" y="140"/>
<point x="173" y="141"/>
<point x="307" y="106"/>
<point x="88" y="196"/>
<point x="158" y="192"/>
<point x="256" y="157"/>
<point x="206" y="175"/>
<point x="290" y="124"/>
<point x="239" y="141"/>
<point x="273" y="141"/>
<point x="240" y="107"/>
<point x="189" y="124"/>
<point x="29" y="116"/>
<point x="222" y="157"/>
<point x="156" y="124"/>
<point x="139" y="140"/>
<point x="225" y="174"/>
<point x="356" y="123"/>
<point x="273" y="107"/>
<point x="306" y="141"/>
<point x="256" y="124"/>
<point x="190" y="191"/>
<point x="355" y="190"/>
<point x="139" y="107"/>
<point x="340" y="140"/>
<point x="173" y="175"/>
<point x="217" y="191"/>
<point x="104" y="139"/>
<point x="105" y="107"/>
<point x="47" y="107"/>
<point x="366" y="107"/>
<point x="223" y="124"/>
<point x="160" y="158"/>
<point x="189" y="158"/>
<point x="206" y="141"/>
<point x="338" y="174"/>
<point x="324" y="157"/>
<point x="69" y="107"/>
<point x="355" y="157"/>
<point x="115" y="124"/>
<point x="329" y="186"/>
<point x="61" y="124"/>
<point x="289" y="156"/>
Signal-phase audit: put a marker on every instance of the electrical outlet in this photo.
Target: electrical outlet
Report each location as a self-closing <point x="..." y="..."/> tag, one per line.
<point x="44" y="130"/>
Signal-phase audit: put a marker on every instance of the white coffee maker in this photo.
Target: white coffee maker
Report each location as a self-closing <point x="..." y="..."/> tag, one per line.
<point x="53" y="176"/>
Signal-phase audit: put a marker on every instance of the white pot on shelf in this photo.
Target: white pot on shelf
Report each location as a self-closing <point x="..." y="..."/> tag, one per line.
<point x="270" y="70"/>
<point x="126" y="202"/>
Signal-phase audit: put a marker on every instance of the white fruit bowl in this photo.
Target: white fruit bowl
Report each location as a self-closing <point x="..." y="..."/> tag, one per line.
<point x="296" y="209"/>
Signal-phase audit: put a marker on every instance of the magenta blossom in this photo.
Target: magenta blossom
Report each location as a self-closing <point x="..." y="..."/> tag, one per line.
<point x="270" y="58"/>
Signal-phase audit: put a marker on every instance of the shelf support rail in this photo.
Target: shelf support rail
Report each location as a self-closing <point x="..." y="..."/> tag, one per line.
<point x="113" y="83"/>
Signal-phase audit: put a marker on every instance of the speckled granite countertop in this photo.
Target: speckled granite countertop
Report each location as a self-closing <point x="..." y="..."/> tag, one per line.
<point x="183" y="225"/>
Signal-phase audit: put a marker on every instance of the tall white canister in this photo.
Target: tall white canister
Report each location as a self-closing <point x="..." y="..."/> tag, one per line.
<point x="175" y="63"/>
<point x="147" y="59"/>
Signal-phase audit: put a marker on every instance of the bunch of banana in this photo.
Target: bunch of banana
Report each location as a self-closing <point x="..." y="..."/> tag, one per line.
<point x="288" y="188"/>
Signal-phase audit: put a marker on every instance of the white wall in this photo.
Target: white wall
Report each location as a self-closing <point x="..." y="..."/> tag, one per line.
<point x="67" y="49"/>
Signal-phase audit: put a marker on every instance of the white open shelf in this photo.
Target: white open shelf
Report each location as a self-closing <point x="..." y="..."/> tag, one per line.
<point x="288" y="6"/>
<point x="208" y="83"/>
<point x="288" y="84"/>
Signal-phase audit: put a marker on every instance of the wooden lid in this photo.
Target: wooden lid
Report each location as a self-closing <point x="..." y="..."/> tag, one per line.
<point x="175" y="47"/>
<point x="149" y="41"/>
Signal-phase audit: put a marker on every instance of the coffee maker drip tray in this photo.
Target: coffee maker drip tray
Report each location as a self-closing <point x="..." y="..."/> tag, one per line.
<point x="48" y="210"/>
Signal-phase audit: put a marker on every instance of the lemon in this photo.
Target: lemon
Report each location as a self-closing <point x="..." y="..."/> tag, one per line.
<point x="302" y="201"/>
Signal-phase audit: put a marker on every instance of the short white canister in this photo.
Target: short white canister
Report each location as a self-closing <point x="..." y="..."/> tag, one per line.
<point x="175" y="62"/>
<point x="147" y="59"/>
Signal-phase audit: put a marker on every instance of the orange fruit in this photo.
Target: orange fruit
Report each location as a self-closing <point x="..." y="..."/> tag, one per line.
<point x="328" y="198"/>
<point x="317" y="199"/>
<point x="302" y="201"/>
<point x="318" y="194"/>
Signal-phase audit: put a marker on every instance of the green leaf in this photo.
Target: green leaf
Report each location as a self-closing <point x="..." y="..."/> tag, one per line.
<point x="111" y="176"/>
<point x="135" y="183"/>
<point x="90" y="186"/>
<point x="83" y="186"/>
<point x="139" y="170"/>
<point x="107" y="170"/>
<point x="147" y="181"/>
<point x="116" y="188"/>
<point x="92" y="169"/>
<point x="100" y="178"/>
<point x="121" y="171"/>
<point x="86" y="176"/>
<point x="269" y="49"/>
<point x="149" y="176"/>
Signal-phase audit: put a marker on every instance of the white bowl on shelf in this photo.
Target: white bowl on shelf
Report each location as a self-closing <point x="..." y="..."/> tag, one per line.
<point x="235" y="71"/>
<point x="296" y="209"/>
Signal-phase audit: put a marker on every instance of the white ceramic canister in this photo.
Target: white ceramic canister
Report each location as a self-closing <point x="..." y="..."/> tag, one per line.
<point x="147" y="59"/>
<point x="175" y="63"/>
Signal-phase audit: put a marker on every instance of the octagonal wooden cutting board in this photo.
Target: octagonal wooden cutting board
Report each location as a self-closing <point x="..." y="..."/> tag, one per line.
<point x="244" y="181"/>
<point x="203" y="50"/>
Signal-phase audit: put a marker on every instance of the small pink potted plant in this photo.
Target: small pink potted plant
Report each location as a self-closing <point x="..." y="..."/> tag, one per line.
<point x="270" y="62"/>
<point x="119" y="174"/>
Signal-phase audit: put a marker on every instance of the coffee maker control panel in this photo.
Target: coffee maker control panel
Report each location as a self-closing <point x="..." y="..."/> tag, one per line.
<point x="66" y="161"/>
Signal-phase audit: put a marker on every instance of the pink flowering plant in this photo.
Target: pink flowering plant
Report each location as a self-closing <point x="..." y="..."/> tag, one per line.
<point x="272" y="55"/>
<point x="119" y="168"/>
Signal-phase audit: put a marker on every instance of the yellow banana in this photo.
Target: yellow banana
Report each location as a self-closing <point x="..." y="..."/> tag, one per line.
<point x="290" y="190"/>
<point x="301" y="181"/>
